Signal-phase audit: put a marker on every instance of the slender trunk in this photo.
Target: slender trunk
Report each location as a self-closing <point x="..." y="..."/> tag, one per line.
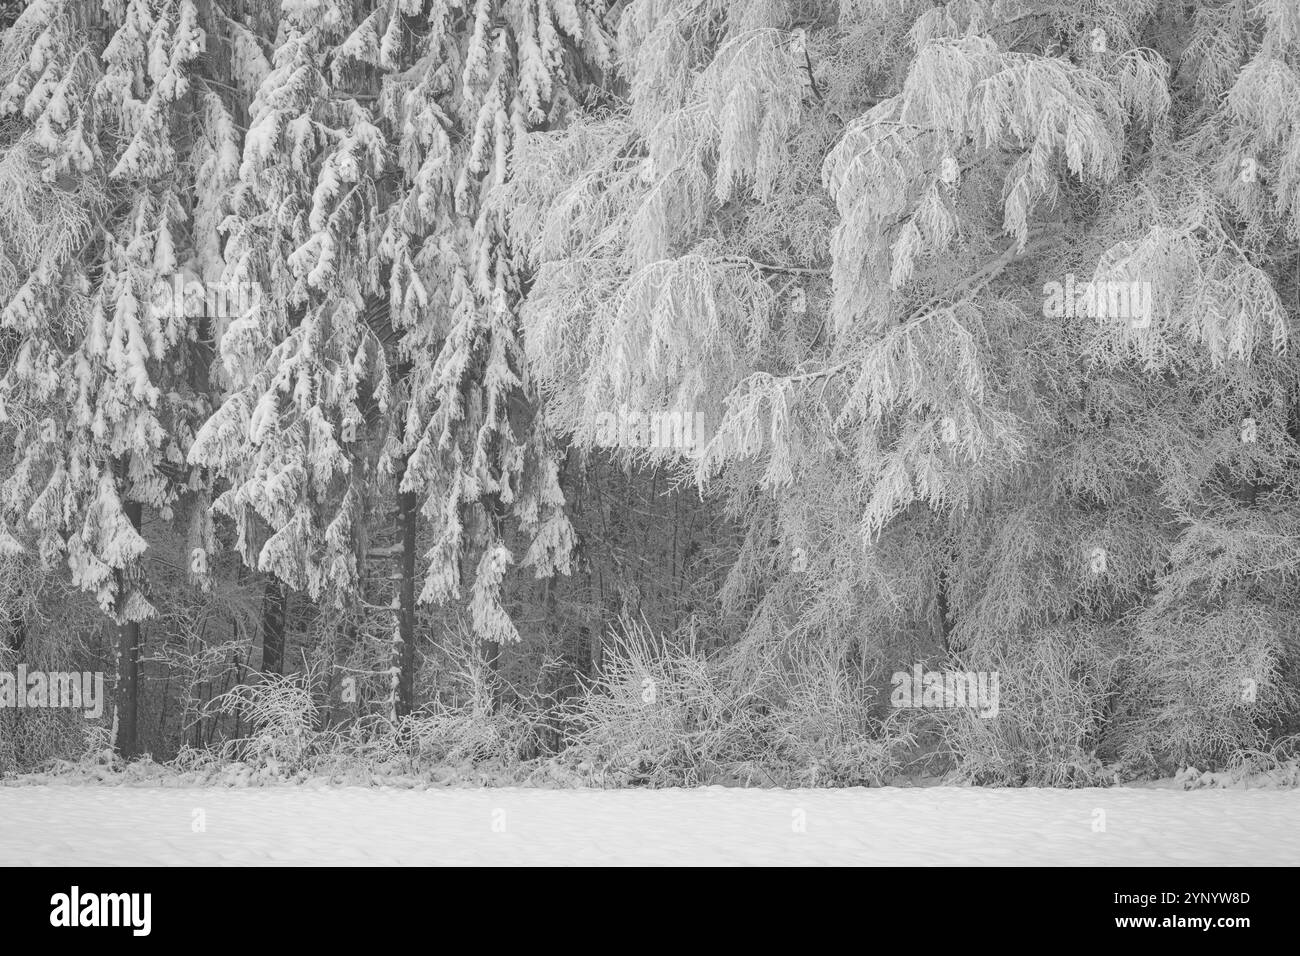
<point x="408" y="517"/>
<point x="555" y="634"/>
<point x="162" y="711"/>
<point x="128" y="662"/>
<point x="274" y="598"/>
<point x="942" y="611"/>
<point x="493" y="657"/>
<point x="239" y="679"/>
<point x="408" y="526"/>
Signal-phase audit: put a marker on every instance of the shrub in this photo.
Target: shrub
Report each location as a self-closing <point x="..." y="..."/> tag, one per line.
<point x="1053" y="694"/>
<point x="825" y="727"/>
<point x="283" y="714"/>
<point x="1201" y="685"/>
<point x="660" y="714"/>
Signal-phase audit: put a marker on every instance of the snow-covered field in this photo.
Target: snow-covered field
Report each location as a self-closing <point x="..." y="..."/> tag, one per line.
<point x="86" y="825"/>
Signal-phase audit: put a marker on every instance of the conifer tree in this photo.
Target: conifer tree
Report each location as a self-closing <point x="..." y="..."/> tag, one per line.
<point x="98" y="399"/>
<point x="384" y="350"/>
<point x="837" y="228"/>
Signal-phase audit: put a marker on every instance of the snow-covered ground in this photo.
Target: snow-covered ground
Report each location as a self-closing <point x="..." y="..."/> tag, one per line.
<point x="87" y="825"/>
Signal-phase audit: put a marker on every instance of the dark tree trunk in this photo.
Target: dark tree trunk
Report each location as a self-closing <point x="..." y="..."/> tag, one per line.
<point x="128" y="662"/>
<point x="942" y="611"/>
<point x="274" y="599"/>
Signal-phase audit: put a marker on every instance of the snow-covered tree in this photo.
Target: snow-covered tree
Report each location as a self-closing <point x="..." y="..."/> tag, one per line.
<point x="985" y="302"/>
<point x="98" y="396"/>
<point x="384" y="349"/>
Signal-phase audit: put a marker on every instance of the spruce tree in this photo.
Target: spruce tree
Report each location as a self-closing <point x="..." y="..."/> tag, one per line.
<point x="99" y="398"/>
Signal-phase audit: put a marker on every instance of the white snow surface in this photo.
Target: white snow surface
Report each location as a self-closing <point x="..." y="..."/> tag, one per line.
<point x="106" y="826"/>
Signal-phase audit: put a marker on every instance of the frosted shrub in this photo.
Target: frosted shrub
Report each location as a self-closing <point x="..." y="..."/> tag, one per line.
<point x="474" y="720"/>
<point x="1200" y="686"/>
<point x="826" y="726"/>
<point x="447" y="735"/>
<point x="659" y="714"/>
<point x="284" y="719"/>
<point x="34" y="739"/>
<point x="1053" y="694"/>
<point x="38" y="738"/>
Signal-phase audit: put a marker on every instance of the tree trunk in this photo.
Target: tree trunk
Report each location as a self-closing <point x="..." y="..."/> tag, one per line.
<point x="274" y="599"/>
<point x="944" y="624"/>
<point x="128" y="661"/>
<point x="408" y="516"/>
